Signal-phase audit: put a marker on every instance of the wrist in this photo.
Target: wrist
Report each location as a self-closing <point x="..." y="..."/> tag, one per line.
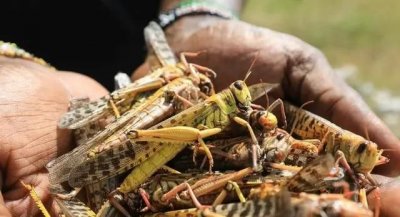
<point x="195" y="8"/>
<point x="185" y="26"/>
<point x="235" y="6"/>
<point x="180" y="19"/>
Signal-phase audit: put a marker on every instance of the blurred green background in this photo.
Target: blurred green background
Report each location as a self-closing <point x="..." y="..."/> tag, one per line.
<point x="361" y="36"/>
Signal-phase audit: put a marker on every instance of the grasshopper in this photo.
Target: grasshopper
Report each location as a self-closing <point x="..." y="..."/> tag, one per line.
<point x="120" y="101"/>
<point x="168" y="191"/>
<point x="306" y="204"/>
<point x="278" y="204"/>
<point x="267" y="198"/>
<point x="328" y="205"/>
<point x="361" y="154"/>
<point x="124" y="154"/>
<point x="318" y="175"/>
<point x="275" y="147"/>
<point x="71" y="207"/>
<point x="156" y="106"/>
<point x="216" y="112"/>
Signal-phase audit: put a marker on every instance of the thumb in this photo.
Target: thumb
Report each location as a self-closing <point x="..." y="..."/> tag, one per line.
<point x="79" y="85"/>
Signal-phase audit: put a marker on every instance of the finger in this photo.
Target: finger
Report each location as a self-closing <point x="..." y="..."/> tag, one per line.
<point x="3" y="210"/>
<point x="32" y="102"/>
<point x="140" y="71"/>
<point x="79" y="85"/>
<point x="19" y="201"/>
<point x="389" y="201"/>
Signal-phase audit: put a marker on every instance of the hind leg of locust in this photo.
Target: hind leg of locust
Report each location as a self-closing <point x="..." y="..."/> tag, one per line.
<point x="36" y="198"/>
<point x="184" y="186"/>
<point x="177" y="134"/>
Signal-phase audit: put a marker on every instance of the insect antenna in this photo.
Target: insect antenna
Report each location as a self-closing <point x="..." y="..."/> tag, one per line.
<point x="251" y="66"/>
<point x="266" y="97"/>
<point x="366" y="133"/>
<point x="390" y="149"/>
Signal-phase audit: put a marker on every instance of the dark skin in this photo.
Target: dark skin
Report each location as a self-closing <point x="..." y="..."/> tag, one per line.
<point x="33" y="103"/>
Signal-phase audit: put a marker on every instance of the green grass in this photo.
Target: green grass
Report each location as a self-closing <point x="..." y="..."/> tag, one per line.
<point x="359" y="32"/>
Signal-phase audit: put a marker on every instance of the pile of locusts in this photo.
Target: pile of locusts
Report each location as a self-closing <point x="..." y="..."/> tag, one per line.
<point x="168" y="145"/>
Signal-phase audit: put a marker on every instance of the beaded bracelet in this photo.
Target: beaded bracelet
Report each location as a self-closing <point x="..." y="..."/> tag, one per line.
<point x="13" y="51"/>
<point x="194" y="7"/>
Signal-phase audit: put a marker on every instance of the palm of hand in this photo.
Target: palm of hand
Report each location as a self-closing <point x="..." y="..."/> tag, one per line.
<point x="33" y="99"/>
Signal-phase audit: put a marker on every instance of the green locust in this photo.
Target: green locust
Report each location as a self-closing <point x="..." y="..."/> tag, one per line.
<point x="216" y="112"/>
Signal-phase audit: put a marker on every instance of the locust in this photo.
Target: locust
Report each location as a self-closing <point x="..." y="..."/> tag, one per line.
<point x="72" y="207"/>
<point x="272" y="198"/>
<point x="141" y="152"/>
<point x="278" y="204"/>
<point x="361" y="154"/>
<point x="128" y="155"/>
<point x="233" y="153"/>
<point x="153" y="108"/>
<point x="216" y="112"/>
<point x="318" y="175"/>
<point x="158" y="106"/>
<point x="306" y="204"/>
<point x="282" y="204"/>
<point x="185" y="190"/>
<point x="120" y="101"/>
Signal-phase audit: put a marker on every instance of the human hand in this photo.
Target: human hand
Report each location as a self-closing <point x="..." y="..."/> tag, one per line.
<point x="303" y="72"/>
<point x="33" y="98"/>
<point x="385" y="197"/>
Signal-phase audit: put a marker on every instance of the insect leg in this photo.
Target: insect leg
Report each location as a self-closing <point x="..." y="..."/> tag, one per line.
<point x="341" y="158"/>
<point x="230" y="186"/>
<point x="114" y="108"/>
<point x="69" y="195"/>
<point x="36" y="198"/>
<point x="177" y="134"/>
<point x="146" y="198"/>
<point x="170" y="170"/>
<point x="114" y="200"/>
<point x="255" y="146"/>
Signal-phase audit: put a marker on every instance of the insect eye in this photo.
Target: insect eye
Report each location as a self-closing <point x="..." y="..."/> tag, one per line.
<point x="205" y="89"/>
<point x="361" y="148"/>
<point x="238" y="85"/>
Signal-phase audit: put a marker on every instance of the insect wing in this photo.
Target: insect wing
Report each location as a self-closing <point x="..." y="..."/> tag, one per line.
<point x="309" y="178"/>
<point x="158" y="45"/>
<point x="74" y="208"/>
<point x="259" y="90"/>
<point x="192" y="117"/>
<point x="79" y="117"/>
<point x="108" y="163"/>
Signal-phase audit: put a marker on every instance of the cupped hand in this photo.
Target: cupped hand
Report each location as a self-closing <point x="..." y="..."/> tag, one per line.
<point x="33" y="98"/>
<point x="303" y="72"/>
